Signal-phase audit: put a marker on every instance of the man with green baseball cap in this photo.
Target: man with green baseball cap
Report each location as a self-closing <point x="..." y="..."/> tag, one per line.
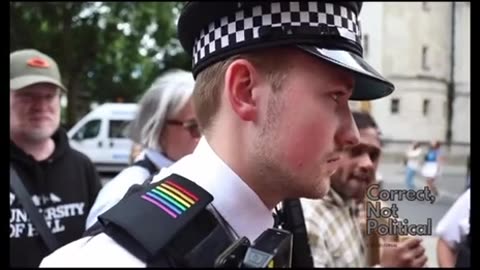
<point x="54" y="176"/>
<point x="29" y="67"/>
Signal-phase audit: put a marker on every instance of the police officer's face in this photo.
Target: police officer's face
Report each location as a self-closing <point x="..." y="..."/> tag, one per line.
<point x="35" y="111"/>
<point x="308" y="121"/>
<point x="358" y="165"/>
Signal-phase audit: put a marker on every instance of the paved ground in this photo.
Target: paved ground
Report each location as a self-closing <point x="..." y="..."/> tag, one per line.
<point x="450" y="185"/>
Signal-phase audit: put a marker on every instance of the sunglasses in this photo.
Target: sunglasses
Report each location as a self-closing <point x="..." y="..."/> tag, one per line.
<point x="190" y="125"/>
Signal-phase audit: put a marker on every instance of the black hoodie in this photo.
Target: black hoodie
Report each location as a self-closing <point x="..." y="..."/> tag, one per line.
<point x="64" y="186"/>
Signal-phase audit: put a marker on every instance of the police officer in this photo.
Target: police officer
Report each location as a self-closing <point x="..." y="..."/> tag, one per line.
<point x="273" y="80"/>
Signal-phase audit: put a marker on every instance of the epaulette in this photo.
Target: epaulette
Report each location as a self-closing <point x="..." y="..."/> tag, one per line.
<point x="148" y="219"/>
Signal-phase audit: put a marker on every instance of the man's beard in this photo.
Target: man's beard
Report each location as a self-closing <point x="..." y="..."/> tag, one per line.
<point x="279" y="177"/>
<point x="265" y="150"/>
<point x="348" y="185"/>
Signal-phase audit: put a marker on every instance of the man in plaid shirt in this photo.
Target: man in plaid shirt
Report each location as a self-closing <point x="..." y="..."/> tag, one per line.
<point x="334" y="232"/>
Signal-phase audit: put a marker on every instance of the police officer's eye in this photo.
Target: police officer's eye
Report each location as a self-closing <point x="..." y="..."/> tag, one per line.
<point x="336" y="96"/>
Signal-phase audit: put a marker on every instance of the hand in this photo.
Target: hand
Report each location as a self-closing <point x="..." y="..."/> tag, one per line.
<point x="407" y="253"/>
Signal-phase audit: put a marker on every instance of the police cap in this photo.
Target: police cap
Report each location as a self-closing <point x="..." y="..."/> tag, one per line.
<point x="213" y="31"/>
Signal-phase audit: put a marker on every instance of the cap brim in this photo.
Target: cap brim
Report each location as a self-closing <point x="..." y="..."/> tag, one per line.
<point x="369" y="84"/>
<point x="24" y="81"/>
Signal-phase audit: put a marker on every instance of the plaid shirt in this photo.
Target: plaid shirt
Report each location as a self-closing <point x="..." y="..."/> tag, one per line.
<point x="334" y="234"/>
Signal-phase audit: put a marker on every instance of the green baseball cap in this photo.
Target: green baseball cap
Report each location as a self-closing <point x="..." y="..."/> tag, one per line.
<point x="30" y="66"/>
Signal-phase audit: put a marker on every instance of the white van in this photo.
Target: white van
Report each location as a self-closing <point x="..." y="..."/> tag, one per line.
<point x="102" y="135"/>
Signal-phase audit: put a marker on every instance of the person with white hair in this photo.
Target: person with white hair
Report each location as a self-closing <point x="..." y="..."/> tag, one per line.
<point x="164" y="126"/>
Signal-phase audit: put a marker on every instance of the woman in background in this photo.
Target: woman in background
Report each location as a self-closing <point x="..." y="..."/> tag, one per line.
<point x="166" y="129"/>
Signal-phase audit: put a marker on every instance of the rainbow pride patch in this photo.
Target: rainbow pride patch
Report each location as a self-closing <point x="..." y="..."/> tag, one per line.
<point x="171" y="197"/>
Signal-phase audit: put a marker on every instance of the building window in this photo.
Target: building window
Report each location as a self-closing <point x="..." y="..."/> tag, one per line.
<point x="394" y="105"/>
<point x="365" y="44"/>
<point x="426" y="107"/>
<point x="424" y="58"/>
<point x="426" y="6"/>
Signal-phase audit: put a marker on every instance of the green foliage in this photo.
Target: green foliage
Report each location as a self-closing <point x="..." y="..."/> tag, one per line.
<point x="105" y="50"/>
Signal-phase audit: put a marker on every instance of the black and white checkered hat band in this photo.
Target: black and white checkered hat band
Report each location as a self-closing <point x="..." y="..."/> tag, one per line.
<point x="244" y="24"/>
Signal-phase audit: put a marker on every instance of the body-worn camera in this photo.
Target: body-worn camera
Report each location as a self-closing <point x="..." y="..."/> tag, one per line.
<point x="273" y="248"/>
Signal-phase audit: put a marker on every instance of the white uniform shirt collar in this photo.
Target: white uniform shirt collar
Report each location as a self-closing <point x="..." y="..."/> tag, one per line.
<point x="233" y="199"/>
<point x="160" y="160"/>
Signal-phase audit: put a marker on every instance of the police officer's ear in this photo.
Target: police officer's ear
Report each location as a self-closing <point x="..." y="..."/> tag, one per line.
<point x="242" y="89"/>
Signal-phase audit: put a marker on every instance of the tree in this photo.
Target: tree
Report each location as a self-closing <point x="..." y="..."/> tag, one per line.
<point x="106" y="50"/>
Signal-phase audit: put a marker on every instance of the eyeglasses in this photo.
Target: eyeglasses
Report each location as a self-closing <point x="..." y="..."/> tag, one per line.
<point x="190" y="125"/>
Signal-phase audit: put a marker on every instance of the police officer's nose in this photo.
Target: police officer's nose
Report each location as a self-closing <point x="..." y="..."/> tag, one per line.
<point x="348" y="134"/>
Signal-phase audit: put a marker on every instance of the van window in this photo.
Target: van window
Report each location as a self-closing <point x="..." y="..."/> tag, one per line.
<point x="118" y="129"/>
<point x="88" y="131"/>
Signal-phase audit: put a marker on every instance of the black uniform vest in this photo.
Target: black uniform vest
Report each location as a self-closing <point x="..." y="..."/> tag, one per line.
<point x="166" y="224"/>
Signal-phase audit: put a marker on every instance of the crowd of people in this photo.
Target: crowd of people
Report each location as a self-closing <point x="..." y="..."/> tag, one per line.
<point x="263" y="117"/>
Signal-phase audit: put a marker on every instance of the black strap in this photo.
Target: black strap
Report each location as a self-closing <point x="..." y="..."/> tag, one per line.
<point x="294" y="221"/>
<point x="147" y="164"/>
<point x="32" y="211"/>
